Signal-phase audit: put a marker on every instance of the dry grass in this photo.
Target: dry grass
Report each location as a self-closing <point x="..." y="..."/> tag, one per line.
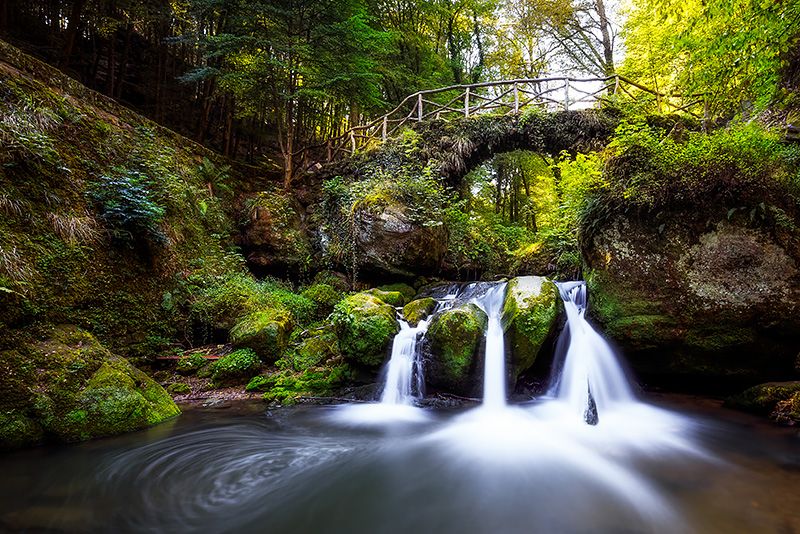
<point x="75" y="229"/>
<point x="12" y="207"/>
<point x="13" y="265"/>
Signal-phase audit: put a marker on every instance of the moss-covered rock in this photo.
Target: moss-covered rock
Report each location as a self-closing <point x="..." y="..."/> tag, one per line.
<point x="417" y="310"/>
<point x="708" y="292"/>
<point x="366" y="326"/>
<point x="408" y="292"/>
<point x="324" y="296"/>
<point x="530" y="314"/>
<point x="189" y="365"/>
<point x="455" y="337"/>
<point x="68" y="388"/>
<point x="779" y="400"/>
<point x="266" y="332"/>
<point x="235" y="368"/>
<point x="179" y="388"/>
<point x="287" y="386"/>
<point x="317" y="347"/>
<point x="393" y="298"/>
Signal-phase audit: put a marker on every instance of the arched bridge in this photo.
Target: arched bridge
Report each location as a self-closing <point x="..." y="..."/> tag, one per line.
<point x="504" y="98"/>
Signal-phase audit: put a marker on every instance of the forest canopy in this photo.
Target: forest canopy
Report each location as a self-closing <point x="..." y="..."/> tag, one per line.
<point x="267" y="80"/>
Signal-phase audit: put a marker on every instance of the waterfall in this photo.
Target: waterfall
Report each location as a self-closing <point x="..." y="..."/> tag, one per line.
<point x="404" y="378"/>
<point x="591" y="378"/>
<point x="494" y="375"/>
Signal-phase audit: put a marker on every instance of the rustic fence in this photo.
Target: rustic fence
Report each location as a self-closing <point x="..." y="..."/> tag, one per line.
<point x="506" y="97"/>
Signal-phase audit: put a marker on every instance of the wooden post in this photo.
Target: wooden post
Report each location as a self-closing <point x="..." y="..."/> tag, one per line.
<point x="566" y="94"/>
<point x="466" y="103"/>
<point x="516" y="99"/>
<point x="616" y="83"/>
<point x="353" y="141"/>
<point x="419" y="107"/>
<point x="385" y="127"/>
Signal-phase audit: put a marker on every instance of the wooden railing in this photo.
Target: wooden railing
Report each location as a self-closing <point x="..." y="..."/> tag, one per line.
<point x="508" y="97"/>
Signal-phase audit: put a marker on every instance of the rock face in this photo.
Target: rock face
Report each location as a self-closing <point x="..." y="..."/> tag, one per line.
<point x="530" y="315"/>
<point x="698" y="293"/>
<point x="455" y="338"/>
<point x="366" y="326"/>
<point x="274" y="238"/>
<point x="70" y="388"/>
<point x="390" y="243"/>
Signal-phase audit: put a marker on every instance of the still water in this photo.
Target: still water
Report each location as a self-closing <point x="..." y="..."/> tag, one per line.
<point x="694" y="468"/>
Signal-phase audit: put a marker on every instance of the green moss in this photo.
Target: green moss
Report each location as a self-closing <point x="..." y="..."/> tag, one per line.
<point x="419" y="309"/>
<point x="234" y="367"/>
<point x="455" y="337"/>
<point x="324" y="296"/>
<point x="407" y="291"/>
<point x="393" y="298"/>
<point x="319" y="346"/>
<point x="530" y="311"/>
<point x="179" y="388"/>
<point x="286" y="386"/>
<point x="260" y="383"/>
<point x="189" y="365"/>
<point x="265" y="332"/>
<point x="17" y="430"/>
<point x="763" y="398"/>
<point x="366" y="326"/>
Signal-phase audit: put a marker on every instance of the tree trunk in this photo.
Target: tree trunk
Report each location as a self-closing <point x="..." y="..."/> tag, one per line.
<point x="608" y="45"/>
<point x="72" y="31"/>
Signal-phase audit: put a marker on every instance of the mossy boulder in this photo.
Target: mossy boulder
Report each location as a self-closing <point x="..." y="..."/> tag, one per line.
<point x="417" y="310"/>
<point x="393" y="298"/>
<point x="530" y="315"/>
<point x="266" y="332"/>
<point x="366" y="326"/>
<point x="711" y="292"/>
<point x="455" y="337"/>
<point x="179" y="388"/>
<point x="235" y="368"/>
<point x="319" y="346"/>
<point x="779" y="400"/>
<point x="189" y="365"/>
<point x="407" y="291"/>
<point x="69" y="388"/>
<point x="324" y="296"/>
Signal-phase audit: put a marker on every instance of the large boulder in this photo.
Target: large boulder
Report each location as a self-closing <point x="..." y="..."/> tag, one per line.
<point x="266" y="332"/>
<point x="712" y="292"/>
<point x="69" y="388"/>
<point x="366" y="326"/>
<point x="530" y="316"/>
<point x="274" y="237"/>
<point x="390" y="242"/>
<point x="455" y="338"/>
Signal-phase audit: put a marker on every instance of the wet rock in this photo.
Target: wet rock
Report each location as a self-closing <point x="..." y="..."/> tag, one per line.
<point x="693" y="293"/>
<point x="530" y="315"/>
<point x="455" y="337"/>
<point x="417" y="310"/>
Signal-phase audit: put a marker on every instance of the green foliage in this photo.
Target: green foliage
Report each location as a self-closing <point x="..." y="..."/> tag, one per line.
<point x="188" y="365"/>
<point x="128" y="207"/>
<point x="324" y="297"/>
<point x="235" y="366"/>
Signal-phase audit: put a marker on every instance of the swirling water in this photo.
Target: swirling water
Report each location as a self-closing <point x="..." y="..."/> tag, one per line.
<point x="498" y="468"/>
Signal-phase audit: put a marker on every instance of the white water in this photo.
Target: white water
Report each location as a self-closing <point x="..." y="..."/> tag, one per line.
<point x="403" y="384"/>
<point x="589" y="364"/>
<point x="494" y="376"/>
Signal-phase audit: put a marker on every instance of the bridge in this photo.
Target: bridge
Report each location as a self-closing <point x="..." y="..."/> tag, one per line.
<point x="505" y="97"/>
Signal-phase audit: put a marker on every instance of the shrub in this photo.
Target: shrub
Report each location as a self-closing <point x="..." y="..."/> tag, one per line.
<point x="126" y="204"/>
<point x="236" y="365"/>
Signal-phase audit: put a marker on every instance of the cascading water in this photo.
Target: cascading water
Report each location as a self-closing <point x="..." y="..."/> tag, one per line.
<point x="494" y="376"/>
<point x="590" y="379"/>
<point x="404" y="379"/>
